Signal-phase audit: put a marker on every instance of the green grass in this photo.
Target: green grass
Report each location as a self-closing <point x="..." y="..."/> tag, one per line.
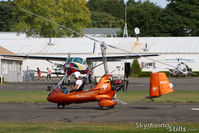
<point x="31" y="96"/>
<point x="90" y="128"/>
<point x="175" y="97"/>
<point x="36" y="96"/>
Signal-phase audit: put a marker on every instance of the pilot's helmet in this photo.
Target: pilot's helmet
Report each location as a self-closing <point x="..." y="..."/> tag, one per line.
<point x="76" y="74"/>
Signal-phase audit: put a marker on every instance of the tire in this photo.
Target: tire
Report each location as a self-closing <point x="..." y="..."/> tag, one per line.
<point x="107" y="107"/>
<point x="60" y="106"/>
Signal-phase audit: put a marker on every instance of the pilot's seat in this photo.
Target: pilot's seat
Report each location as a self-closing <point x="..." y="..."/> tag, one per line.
<point x="83" y="84"/>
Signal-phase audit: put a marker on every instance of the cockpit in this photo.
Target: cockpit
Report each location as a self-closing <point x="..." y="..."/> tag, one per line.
<point x="76" y="59"/>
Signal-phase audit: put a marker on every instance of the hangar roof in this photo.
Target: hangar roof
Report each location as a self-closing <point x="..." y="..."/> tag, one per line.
<point x="4" y="51"/>
<point x="23" y="45"/>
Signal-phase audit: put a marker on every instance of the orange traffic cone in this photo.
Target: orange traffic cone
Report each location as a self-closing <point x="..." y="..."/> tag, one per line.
<point x="159" y="85"/>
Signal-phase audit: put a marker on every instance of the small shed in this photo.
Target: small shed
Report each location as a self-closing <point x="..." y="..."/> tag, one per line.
<point x="10" y="68"/>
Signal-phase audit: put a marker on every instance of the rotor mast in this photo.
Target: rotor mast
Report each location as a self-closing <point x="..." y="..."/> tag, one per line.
<point x="103" y="49"/>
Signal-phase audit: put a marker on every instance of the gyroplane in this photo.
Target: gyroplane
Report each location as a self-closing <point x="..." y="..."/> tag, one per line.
<point x="105" y="90"/>
<point x="181" y="69"/>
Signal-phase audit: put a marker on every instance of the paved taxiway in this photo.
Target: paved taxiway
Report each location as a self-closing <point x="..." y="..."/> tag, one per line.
<point x="90" y="112"/>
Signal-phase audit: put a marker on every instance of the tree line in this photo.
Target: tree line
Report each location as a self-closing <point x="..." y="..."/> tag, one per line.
<point x="178" y="18"/>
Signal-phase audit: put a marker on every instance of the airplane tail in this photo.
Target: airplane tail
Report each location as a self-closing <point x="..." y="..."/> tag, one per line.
<point x="159" y="85"/>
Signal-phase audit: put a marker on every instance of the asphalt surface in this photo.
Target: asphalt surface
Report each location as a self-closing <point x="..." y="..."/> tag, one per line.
<point x="91" y="112"/>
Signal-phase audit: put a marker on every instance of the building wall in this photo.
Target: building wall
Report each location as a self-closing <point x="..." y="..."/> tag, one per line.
<point x="11" y="70"/>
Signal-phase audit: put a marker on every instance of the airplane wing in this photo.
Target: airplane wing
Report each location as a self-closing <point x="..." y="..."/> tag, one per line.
<point x="38" y="57"/>
<point x="89" y="59"/>
<point x="119" y="58"/>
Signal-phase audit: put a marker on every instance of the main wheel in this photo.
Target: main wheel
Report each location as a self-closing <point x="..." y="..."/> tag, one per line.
<point x="107" y="107"/>
<point x="60" y="106"/>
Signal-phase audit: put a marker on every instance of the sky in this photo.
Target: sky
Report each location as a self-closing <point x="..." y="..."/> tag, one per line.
<point x="161" y="3"/>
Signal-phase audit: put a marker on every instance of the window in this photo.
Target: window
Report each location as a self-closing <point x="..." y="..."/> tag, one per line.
<point x="74" y="65"/>
<point x="148" y="65"/>
<point x="78" y="60"/>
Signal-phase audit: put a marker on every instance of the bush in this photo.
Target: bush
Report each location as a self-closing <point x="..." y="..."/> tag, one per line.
<point x="135" y="69"/>
<point x="197" y="74"/>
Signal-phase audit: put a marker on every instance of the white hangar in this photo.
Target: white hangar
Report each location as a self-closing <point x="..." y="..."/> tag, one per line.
<point x="169" y="49"/>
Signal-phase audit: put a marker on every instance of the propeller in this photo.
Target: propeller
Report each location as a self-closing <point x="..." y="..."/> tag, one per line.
<point x="68" y="59"/>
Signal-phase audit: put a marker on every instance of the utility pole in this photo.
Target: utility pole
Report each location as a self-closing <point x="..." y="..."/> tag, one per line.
<point x="125" y="33"/>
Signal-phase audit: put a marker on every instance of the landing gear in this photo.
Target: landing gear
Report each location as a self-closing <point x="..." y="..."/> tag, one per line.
<point x="60" y="105"/>
<point x="107" y="107"/>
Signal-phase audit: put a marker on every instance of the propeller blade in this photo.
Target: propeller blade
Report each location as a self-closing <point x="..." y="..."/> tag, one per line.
<point x="68" y="61"/>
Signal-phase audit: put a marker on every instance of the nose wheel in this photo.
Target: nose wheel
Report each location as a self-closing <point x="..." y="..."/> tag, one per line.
<point x="60" y="106"/>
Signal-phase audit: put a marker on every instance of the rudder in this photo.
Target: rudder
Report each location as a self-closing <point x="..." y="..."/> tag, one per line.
<point x="159" y="85"/>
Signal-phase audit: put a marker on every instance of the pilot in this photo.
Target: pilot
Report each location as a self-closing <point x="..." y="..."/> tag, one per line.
<point x="78" y="83"/>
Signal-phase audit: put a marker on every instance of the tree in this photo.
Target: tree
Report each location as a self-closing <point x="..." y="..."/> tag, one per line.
<point x="145" y="16"/>
<point x="107" y="13"/>
<point x="113" y="7"/>
<point x="131" y="2"/>
<point x="105" y="20"/>
<point x="6" y="18"/>
<point x="171" y="24"/>
<point x="69" y="13"/>
<point x="186" y="14"/>
<point x="135" y="68"/>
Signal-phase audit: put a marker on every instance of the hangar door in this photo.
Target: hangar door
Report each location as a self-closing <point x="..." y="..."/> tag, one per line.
<point x="11" y="70"/>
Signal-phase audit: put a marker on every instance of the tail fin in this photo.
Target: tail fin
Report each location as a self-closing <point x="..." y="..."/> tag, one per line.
<point x="159" y="85"/>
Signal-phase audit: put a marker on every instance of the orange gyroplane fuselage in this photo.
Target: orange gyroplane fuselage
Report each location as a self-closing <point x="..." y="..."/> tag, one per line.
<point x="102" y="92"/>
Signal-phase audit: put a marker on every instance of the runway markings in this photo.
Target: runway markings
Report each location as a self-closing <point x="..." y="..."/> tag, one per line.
<point x="195" y="109"/>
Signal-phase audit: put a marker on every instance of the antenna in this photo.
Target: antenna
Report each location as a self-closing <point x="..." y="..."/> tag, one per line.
<point x="137" y="32"/>
<point x="125" y="33"/>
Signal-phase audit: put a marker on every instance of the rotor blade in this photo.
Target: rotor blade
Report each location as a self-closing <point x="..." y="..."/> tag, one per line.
<point x="88" y="36"/>
<point x="59" y="65"/>
<point x="159" y="62"/>
<point x="97" y="66"/>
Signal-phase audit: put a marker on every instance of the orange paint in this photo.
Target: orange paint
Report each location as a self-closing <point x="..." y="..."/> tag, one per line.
<point x="102" y="92"/>
<point x="159" y="85"/>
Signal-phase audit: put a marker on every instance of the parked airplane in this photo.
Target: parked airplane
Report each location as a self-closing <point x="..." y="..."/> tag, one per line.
<point x="182" y="69"/>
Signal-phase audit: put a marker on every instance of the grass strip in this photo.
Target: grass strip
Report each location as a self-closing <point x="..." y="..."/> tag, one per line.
<point x="51" y="127"/>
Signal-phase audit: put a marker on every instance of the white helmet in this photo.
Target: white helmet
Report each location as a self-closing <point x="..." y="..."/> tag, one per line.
<point x="76" y="74"/>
